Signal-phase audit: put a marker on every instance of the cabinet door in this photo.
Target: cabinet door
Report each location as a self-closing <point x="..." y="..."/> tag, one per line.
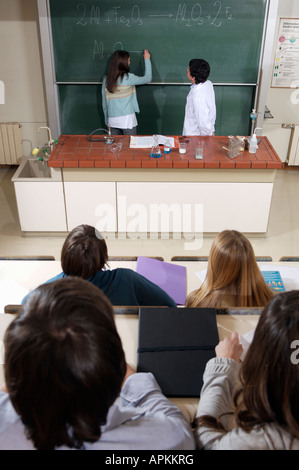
<point x="41" y="206"/>
<point x="193" y="207"/>
<point x="91" y="203"/>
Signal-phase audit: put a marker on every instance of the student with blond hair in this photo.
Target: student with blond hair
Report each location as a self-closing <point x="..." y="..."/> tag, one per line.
<point x="233" y="277"/>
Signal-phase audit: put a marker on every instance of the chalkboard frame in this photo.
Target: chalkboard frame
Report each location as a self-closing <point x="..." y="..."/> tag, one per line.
<point x="52" y="86"/>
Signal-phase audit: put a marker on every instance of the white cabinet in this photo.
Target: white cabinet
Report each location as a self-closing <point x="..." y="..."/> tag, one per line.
<point x="193" y="207"/>
<point x="216" y="201"/>
<point x="92" y="203"/>
<point x="41" y="206"/>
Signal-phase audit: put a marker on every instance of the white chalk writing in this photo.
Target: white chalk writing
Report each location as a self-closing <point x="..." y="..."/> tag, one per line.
<point x="189" y="15"/>
<point x="183" y="14"/>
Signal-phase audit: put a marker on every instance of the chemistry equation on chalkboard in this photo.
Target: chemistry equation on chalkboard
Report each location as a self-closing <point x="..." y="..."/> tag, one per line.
<point x="188" y="15"/>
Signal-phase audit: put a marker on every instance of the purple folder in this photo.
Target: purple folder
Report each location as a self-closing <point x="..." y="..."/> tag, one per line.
<point x="172" y="278"/>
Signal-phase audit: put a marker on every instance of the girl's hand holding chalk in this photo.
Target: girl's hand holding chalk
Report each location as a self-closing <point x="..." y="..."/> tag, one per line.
<point x="146" y="54"/>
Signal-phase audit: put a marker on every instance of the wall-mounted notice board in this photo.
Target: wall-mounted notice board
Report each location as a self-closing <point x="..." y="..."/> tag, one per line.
<point x="286" y="61"/>
<point x="226" y="33"/>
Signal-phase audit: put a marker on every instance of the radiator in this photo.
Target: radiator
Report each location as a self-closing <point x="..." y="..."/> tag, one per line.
<point x="10" y="143"/>
<point x="294" y="148"/>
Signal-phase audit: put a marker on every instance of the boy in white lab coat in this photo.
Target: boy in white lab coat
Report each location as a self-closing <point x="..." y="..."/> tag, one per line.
<point x="200" y="110"/>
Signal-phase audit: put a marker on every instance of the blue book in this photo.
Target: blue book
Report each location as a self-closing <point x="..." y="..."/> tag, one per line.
<point x="273" y="279"/>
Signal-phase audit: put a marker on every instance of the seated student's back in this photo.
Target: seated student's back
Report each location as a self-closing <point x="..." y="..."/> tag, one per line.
<point x="261" y="393"/>
<point x="67" y="382"/>
<point x="84" y="254"/>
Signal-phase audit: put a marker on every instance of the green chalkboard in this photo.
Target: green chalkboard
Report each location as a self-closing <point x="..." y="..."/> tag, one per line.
<point x="226" y="33"/>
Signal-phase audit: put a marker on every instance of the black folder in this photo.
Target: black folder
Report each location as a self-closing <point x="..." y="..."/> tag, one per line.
<point x="175" y="344"/>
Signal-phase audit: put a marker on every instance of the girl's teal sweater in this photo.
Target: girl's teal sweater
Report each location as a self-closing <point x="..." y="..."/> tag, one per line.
<point x="124" y="100"/>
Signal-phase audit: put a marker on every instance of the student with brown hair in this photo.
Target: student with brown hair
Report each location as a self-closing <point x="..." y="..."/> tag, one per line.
<point x="233" y="277"/>
<point x="84" y="254"/>
<point x="68" y="385"/>
<point x="264" y="389"/>
<point x="119" y="99"/>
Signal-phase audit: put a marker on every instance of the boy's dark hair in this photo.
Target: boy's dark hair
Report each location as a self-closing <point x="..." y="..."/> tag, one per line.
<point x="199" y="69"/>
<point x="84" y="252"/>
<point x="64" y="363"/>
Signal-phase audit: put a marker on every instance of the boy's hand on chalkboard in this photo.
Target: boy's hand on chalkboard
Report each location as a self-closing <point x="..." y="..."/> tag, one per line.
<point x="146" y="54"/>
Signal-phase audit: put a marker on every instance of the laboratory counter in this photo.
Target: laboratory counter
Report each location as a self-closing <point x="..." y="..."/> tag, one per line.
<point x="76" y="151"/>
<point x="128" y="191"/>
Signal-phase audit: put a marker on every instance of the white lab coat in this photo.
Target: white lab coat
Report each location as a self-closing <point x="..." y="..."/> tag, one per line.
<point x="200" y="110"/>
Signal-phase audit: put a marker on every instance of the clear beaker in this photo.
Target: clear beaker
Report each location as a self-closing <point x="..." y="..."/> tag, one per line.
<point x="116" y="148"/>
<point x="182" y="147"/>
<point x="199" y="150"/>
<point x="234" y="147"/>
<point x="155" y="151"/>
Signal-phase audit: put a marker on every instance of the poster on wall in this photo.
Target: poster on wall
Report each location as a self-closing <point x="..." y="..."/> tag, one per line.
<point x="286" y="60"/>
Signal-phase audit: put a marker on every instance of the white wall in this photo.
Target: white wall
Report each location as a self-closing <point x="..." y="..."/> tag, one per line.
<point x="21" y="71"/>
<point x="279" y="100"/>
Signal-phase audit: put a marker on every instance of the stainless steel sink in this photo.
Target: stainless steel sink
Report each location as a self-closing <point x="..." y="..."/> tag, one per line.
<point x="34" y="169"/>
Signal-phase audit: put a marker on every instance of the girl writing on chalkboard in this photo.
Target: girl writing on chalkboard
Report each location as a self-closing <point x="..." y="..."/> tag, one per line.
<point x="119" y="98"/>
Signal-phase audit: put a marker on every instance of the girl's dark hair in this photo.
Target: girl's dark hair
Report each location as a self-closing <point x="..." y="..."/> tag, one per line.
<point x="199" y="69"/>
<point x="269" y="390"/>
<point x="118" y="67"/>
<point x="269" y="378"/>
<point x="64" y="363"/>
<point x="84" y="252"/>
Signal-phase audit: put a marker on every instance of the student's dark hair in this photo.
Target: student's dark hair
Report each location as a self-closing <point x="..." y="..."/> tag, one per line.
<point x="269" y="378"/>
<point x="84" y="252"/>
<point x="269" y="390"/>
<point x="118" y="67"/>
<point x="64" y="363"/>
<point x="199" y="69"/>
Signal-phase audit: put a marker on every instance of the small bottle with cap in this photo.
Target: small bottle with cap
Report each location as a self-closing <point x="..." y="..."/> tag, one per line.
<point x="253" y="142"/>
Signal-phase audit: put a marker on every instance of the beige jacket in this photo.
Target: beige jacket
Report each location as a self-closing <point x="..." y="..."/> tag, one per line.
<point x="219" y="379"/>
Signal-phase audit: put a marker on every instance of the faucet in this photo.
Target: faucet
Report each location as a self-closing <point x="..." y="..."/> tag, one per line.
<point x="50" y="143"/>
<point x="107" y="138"/>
